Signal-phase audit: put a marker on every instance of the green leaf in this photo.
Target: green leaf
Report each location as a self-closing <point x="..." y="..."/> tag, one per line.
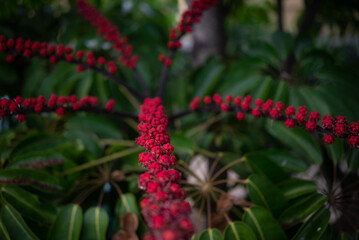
<point x="282" y="92"/>
<point x="211" y="234"/>
<point x="263" y="165"/>
<point x="207" y="78"/>
<point x="28" y="205"/>
<point x="283" y="43"/>
<point x="68" y="223"/>
<point x="263" y="224"/>
<point x="286" y="160"/>
<point x="238" y="231"/>
<point x="264" y="193"/>
<point x="101" y="126"/>
<point x="36" y="160"/>
<point x="295" y="187"/>
<point x="38" y="142"/>
<point x="344" y="236"/>
<point x="314" y="227"/>
<point x="314" y="100"/>
<point x="194" y="237"/>
<point x="3" y="232"/>
<point x="23" y="176"/>
<point x="336" y="150"/>
<point x="95" y="224"/>
<point x="297" y="138"/>
<point x="15" y="224"/>
<point x="183" y="144"/>
<point x="302" y="209"/>
<point x="353" y="160"/>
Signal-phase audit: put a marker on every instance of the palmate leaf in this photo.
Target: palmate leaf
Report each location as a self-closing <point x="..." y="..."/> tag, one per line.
<point x="28" y="204"/>
<point x="40" y="180"/>
<point x="15" y="225"/>
<point x="68" y="223"/>
<point x="264" y="193"/>
<point x="211" y="234"/>
<point x="95" y="224"/>
<point x="263" y="224"/>
<point x="238" y="231"/>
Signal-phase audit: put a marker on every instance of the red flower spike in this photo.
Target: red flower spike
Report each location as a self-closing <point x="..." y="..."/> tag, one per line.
<point x="354" y="141"/>
<point x="290" y="111"/>
<point x="10" y="58"/>
<point x="21" y="118"/>
<point x="258" y="103"/>
<point x="207" y="100"/>
<point x="238" y="101"/>
<point x="229" y="98"/>
<point x="168" y="62"/>
<point x="240" y="115"/>
<point x="310" y="125"/>
<point x="329" y="139"/>
<point x="161" y="180"/>
<point x="256" y="112"/>
<point x="289" y="123"/>
<point x="80" y="68"/>
<point x="314" y="116"/>
<point x="279" y="106"/>
<point x="224" y="107"/>
<point x="110" y="105"/>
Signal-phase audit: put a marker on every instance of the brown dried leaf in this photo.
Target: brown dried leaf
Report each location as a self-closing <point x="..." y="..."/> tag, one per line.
<point x="225" y="203"/>
<point x="118" y="176"/>
<point x="129" y="222"/>
<point x="243" y="203"/>
<point x="123" y="235"/>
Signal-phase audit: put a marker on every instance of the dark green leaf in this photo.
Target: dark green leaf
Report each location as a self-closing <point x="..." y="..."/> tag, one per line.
<point x="101" y="126"/>
<point x="294" y="187"/>
<point x="314" y="227"/>
<point x="15" y="224"/>
<point x="238" y="231"/>
<point x="344" y="236"/>
<point x="23" y="176"/>
<point x="182" y="143"/>
<point x="28" y="205"/>
<point x="3" y="232"/>
<point x="95" y="224"/>
<point x="297" y="138"/>
<point x="302" y="209"/>
<point x="211" y="234"/>
<point x="263" y="165"/>
<point x="207" y="78"/>
<point x="68" y="223"/>
<point x="286" y="160"/>
<point x="36" y="160"/>
<point x="264" y="193"/>
<point x="263" y="224"/>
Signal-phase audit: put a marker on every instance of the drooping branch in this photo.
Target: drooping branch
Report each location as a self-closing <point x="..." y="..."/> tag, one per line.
<point x="54" y="54"/>
<point x="110" y="33"/>
<point x="333" y="128"/>
<point x="60" y="105"/>
<point x="189" y="18"/>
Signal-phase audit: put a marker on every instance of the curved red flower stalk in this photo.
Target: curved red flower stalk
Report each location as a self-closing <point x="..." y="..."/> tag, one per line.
<point x="53" y="54"/>
<point x="189" y="17"/>
<point x="334" y="128"/>
<point x="21" y="107"/>
<point x="164" y="208"/>
<point x="109" y="32"/>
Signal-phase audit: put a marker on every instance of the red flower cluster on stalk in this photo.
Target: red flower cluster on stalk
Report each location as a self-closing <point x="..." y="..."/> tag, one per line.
<point x="188" y="18"/>
<point x="164" y="208"/>
<point x="331" y="127"/>
<point x="109" y="32"/>
<point x="53" y="53"/>
<point x="58" y="104"/>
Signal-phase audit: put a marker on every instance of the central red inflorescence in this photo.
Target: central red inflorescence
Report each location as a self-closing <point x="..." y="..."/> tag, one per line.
<point x="164" y="208"/>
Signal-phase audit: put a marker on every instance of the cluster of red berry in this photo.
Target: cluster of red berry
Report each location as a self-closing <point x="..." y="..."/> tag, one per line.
<point x="189" y="17"/>
<point x="163" y="207"/>
<point x="60" y="105"/>
<point x="53" y="53"/>
<point x="109" y="32"/>
<point x="332" y="127"/>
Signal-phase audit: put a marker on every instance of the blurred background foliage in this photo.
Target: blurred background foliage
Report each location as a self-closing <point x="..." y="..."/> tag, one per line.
<point x="298" y="52"/>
